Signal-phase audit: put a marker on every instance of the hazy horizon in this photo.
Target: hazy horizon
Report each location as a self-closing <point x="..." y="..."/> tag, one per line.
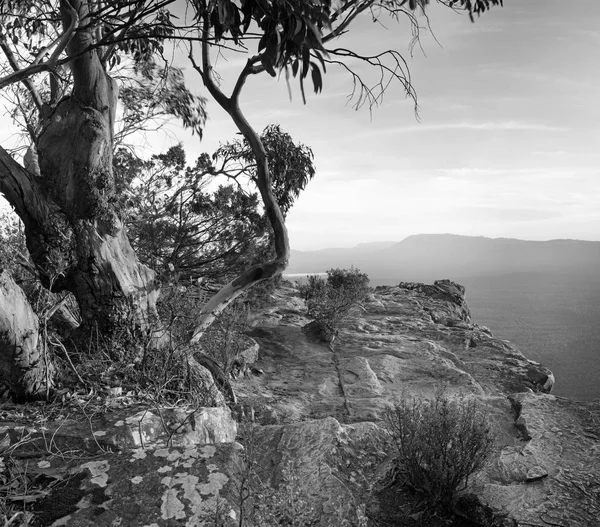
<point x="371" y="242"/>
<point x="538" y="295"/>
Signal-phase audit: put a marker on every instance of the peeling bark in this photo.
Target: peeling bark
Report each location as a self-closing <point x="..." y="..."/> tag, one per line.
<point x="96" y="261"/>
<point x="22" y="359"/>
<point x="75" y="238"/>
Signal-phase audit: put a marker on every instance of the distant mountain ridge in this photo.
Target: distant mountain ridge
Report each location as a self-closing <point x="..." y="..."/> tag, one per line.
<point x="542" y="295"/>
<point x="427" y="257"/>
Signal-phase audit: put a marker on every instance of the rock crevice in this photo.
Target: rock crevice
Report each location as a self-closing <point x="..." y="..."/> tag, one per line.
<point x="319" y="411"/>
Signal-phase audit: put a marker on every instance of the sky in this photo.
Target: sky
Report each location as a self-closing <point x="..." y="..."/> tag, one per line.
<point x="506" y="143"/>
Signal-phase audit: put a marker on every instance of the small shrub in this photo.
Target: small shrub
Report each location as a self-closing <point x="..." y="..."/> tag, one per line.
<point x="180" y="303"/>
<point x="178" y="306"/>
<point x="12" y="242"/>
<point x="329" y="301"/>
<point x="258" y="502"/>
<point x="225" y="340"/>
<point x="439" y="445"/>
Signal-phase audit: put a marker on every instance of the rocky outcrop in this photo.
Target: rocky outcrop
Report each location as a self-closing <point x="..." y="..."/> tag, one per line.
<point x="393" y="348"/>
<point x="447" y="296"/>
<point x="313" y="441"/>
<point x="119" y="429"/>
<point x="142" y="487"/>
<point x="409" y="340"/>
<point x="549" y="476"/>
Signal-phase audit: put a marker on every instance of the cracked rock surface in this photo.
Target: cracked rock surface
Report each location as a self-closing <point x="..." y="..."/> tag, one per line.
<point x="318" y="408"/>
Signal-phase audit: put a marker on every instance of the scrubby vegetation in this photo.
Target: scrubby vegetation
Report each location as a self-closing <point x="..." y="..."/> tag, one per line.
<point x="439" y="444"/>
<point x="330" y="300"/>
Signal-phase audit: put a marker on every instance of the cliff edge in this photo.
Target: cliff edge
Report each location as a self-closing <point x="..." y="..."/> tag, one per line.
<point x="314" y="414"/>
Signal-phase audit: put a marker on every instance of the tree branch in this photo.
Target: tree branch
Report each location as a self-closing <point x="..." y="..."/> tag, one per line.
<point x="206" y="70"/>
<point x="52" y="62"/>
<point x="273" y="212"/>
<point x="341" y="28"/>
<point x="12" y="60"/>
<point x="22" y="191"/>
<point x="250" y="68"/>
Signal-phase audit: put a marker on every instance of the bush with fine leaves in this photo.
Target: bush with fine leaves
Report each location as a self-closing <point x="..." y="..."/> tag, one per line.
<point x="12" y="243"/>
<point x="329" y="301"/>
<point x="439" y="444"/>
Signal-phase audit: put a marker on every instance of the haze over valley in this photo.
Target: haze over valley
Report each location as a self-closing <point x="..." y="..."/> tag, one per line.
<point x="542" y="296"/>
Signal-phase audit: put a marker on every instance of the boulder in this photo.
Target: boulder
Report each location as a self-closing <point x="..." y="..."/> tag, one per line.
<point x="137" y="426"/>
<point x="322" y="469"/>
<point x="145" y="487"/>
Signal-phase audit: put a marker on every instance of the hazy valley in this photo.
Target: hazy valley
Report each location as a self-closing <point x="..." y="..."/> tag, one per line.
<point x="542" y="296"/>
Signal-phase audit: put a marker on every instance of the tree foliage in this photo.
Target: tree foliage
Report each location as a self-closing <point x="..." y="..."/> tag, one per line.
<point x="181" y="226"/>
<point x="439" y="444"/>
<point x="329" y="301"/>
<point x="290" y="164"/>
<point x="12" y="242"/>
<point x="150" y="94"/>
<point x="293" y="36"/>
<point x="187" y="220"/>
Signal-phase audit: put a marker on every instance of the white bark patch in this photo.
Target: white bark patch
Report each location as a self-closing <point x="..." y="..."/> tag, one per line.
<point x="100" y="433"/>
<point x="119" y="423"/>
<point x="136" y="480"/>
<point x="44" y="464"/>
<point x="99" y="471"/>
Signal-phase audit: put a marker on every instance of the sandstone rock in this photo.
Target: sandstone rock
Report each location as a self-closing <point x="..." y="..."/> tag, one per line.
<point x="333" y="466"/>
<point x="319" y="410"/>
<point x="550" y="477"/>
<point x="535" y="474"/>
<point x="146" y="487"/>
<point x="447" y="296"/>
<point x="392" y="349"/>
<point x="131" y="427"/>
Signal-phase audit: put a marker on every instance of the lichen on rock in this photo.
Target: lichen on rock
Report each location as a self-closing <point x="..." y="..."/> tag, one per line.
<point x="316" y="415"/>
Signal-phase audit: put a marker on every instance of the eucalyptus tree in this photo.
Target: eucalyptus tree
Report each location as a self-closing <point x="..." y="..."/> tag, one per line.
<point x="203" y="221"/>
<point x="66" y="55"/>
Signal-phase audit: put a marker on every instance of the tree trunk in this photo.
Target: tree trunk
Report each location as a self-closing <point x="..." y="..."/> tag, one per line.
<point x="74" y="234"/>
<point x="23" y="361"/>
<point x="276" y="266"/>
<point x="94" y="259"/>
